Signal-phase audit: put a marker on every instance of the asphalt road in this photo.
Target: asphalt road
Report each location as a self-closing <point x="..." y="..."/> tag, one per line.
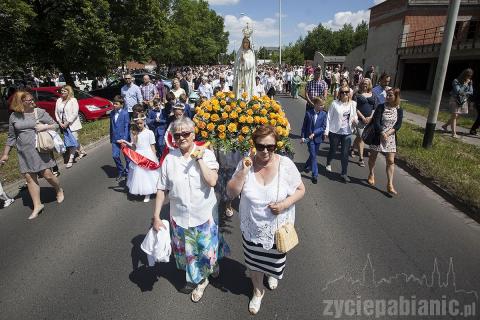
<point x="82" y="259"/>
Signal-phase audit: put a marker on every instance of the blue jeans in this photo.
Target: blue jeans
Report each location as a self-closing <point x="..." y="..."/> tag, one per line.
<point x="312" y="159"/>
<point x="345" y="140"/>
<point x="116" y="151"/>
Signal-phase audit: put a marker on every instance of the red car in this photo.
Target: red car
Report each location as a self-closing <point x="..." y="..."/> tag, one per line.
<point x="90" y="107"/>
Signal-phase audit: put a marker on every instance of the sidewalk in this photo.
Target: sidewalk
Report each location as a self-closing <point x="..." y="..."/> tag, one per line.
<point x="463" y="133"/>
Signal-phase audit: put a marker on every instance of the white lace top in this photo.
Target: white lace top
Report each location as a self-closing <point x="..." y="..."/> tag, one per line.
<point x="257" y="222"/>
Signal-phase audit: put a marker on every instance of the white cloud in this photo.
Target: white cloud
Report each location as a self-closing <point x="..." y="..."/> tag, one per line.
<point x="341" y="18"/>
<point x="375" y="2"/>
<point x="264" y="31"/>
<point x="222" y="2"/>
<point x="306" y="27"/>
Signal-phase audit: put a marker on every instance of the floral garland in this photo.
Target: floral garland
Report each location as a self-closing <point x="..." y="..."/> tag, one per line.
<point x="228" y="123"/>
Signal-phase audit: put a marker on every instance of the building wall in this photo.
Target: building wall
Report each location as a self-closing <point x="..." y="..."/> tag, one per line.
<point x="356" y="57"/>
<point x="382" y="46"/>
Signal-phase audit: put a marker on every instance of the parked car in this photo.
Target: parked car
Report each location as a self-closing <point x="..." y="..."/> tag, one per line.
<point x="90" y="107"/>
<point x="114" y="87"/>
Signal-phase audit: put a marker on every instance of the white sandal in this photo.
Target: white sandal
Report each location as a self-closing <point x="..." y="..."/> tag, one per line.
<point x="255" y="303"/>
<point x="197" y="293"/>
<point x="272" y="283"/>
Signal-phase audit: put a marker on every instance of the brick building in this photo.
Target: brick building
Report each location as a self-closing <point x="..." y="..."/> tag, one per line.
<point x="404" y="39"/>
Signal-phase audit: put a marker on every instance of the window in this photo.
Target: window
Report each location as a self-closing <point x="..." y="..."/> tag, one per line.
<point x="46" y="96"/>
<point x="472" y="29"/>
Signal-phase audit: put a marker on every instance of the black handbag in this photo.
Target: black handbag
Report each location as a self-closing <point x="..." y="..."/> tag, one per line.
<point x="368" y="135"/>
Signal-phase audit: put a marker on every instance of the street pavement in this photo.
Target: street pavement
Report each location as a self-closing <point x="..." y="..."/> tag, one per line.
<point x="82" y="259"/>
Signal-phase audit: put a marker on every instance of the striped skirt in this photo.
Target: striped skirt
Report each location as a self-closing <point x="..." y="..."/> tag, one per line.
<point x="270" y="262"/>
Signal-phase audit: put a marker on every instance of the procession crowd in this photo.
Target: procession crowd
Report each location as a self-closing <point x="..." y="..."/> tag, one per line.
<point x="152" y="127"/>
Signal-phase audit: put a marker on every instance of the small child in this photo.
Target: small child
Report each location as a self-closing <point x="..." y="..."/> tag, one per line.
<point x="312" y="134"/>
<point x="119" y="130"/>
<point x="188" y="110"/>
<point x="142" y="181"/>
<point x="157" y="121"/>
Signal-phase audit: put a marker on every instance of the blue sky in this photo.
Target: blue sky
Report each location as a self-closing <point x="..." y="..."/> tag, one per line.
<point x="298" y="17"/>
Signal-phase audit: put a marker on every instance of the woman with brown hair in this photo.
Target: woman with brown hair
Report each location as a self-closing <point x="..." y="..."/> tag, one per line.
<point x="23" y="125"/>
<point x="387" y="120"/>
<point x="66" y="114"/>
<point x="270" y="185"/>
<point x="462" y="90"/>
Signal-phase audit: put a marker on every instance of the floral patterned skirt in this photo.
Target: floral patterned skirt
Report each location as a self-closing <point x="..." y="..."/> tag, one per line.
<point x="197" y="250"/>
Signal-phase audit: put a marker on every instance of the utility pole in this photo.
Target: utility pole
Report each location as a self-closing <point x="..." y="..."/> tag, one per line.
<point x="442" y="65"/>
<point x="280" y="33"/>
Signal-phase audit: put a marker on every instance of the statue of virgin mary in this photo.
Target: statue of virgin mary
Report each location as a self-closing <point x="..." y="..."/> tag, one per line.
<point x="245" y="67"/>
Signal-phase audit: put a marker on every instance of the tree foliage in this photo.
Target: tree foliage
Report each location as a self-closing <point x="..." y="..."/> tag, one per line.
<point x="95" y="35"/>
<point x="327" y="41"/>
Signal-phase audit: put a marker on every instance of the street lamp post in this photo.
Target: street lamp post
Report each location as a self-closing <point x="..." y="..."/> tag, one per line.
<point x="280" y="34"/>
<point x="442" y="65"/>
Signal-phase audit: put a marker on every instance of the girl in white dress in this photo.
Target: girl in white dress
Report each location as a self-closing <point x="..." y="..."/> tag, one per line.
<point x="142" y="181"/>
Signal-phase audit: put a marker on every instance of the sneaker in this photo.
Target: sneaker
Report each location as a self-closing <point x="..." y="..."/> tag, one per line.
<point x="314" y="180"/>
<point x="8" y="202"/>
<point x="147" y="198"/>
<point x="328" y="168"/>
<point x="345" y="178"/>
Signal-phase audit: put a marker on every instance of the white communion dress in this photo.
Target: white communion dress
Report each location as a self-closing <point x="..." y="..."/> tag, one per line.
<point x="142" y="181"/>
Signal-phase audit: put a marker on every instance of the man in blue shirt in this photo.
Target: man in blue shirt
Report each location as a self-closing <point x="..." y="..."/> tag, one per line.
<point x="380" y="89"/>
<point x="131" y="94"/>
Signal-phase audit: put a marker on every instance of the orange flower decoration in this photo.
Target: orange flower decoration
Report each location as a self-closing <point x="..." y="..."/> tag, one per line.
<point x="241" y="138"/>
<point x="227" y="108"/>
<point x="204" y="134"/>
<point x="250" y="119"/>
<point x="250" y="112"/>
<point x="273" y="122"/>
<point x="233" y="115"/>
<point x="215" y="117"/>
<point x="245" y="130"/>
<point x="263" y="120"/>
<point x="243" y="105"/>
<point x="263" y="112"/>
<point x="224" y="116"/>
<point x="221" y="128"/>
<point x="242" y="119"/>
<point x="222" y="135"/>
<point x="232" y="127"/>
<point x="244" y="95"/>
<point x="210" y="127"/>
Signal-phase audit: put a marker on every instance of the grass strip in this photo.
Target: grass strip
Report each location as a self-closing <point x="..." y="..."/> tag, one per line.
<point x="91" y="132"/>
<point x="451" y="164"/>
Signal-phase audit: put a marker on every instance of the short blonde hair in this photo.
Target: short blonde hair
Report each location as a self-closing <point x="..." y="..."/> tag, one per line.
<point x="70" y="91"/>
<point x="344" y="88"/>
<point x="17" y="101"/>
<point x="369" y="84"/>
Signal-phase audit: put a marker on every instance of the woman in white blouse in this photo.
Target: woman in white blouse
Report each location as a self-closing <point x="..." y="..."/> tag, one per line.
<point x="341" y="119"/>
<point x="270" y="185"/>
<point x="176" y="89"/>
<point x="66" y="114"/>
<point x="188" y="174"/>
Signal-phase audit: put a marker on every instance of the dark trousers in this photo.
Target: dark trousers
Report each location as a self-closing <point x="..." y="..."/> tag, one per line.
<point x="476" y="125"/>
<point x="312" y="159"/>
<point x="345" y="140"/>
<point x="289" y="86"/>
<point x="116" y="152"/>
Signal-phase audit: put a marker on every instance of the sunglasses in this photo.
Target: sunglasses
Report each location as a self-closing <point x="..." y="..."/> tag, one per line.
<point x="128" y="78"/>
<point x="344" y="92"/>
<point x="182" y="134"/>
<point x="262" y="147"/>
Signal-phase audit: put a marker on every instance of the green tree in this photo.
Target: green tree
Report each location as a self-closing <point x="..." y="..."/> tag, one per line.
<point x="15" y="19"/>
<point x="361" y="34"/>
<point x="139" y="26"/>
<point x="74" y="35"/>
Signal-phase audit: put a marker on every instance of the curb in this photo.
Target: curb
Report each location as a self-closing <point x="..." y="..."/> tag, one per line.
<point x="13" y="188"/>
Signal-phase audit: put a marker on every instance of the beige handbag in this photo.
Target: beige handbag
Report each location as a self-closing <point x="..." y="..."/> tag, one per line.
<point x="286" y="237"/>
<point x="44" y="139"/>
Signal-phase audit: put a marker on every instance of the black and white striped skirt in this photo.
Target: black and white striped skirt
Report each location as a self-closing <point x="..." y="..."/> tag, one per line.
<point x="270" y="262"/>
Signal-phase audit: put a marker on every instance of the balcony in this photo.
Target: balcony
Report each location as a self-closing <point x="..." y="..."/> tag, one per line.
<point x="428" y="41"/>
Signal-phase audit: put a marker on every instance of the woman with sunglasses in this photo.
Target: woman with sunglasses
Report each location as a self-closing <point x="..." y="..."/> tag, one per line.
<point x="189" y="174"/>
<point x="387" y="120"/>
<point x="66" y="114"/>
<point x="22" y="129"/>
<point x="270" y="185"/>
<point x="341" y="119"/>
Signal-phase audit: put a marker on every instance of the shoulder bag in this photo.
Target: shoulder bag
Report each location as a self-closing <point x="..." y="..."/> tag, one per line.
<point x="286" y="237"/>
<point x="44" y="139"/>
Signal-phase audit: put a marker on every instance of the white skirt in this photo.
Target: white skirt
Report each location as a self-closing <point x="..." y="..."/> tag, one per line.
<point x="141" y="181"/>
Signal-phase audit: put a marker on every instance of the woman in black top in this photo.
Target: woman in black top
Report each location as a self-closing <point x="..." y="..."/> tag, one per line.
<point x="366" y="104"/>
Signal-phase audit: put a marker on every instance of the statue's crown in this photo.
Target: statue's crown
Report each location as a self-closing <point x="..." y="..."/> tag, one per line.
<point x="247" y="31"/>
